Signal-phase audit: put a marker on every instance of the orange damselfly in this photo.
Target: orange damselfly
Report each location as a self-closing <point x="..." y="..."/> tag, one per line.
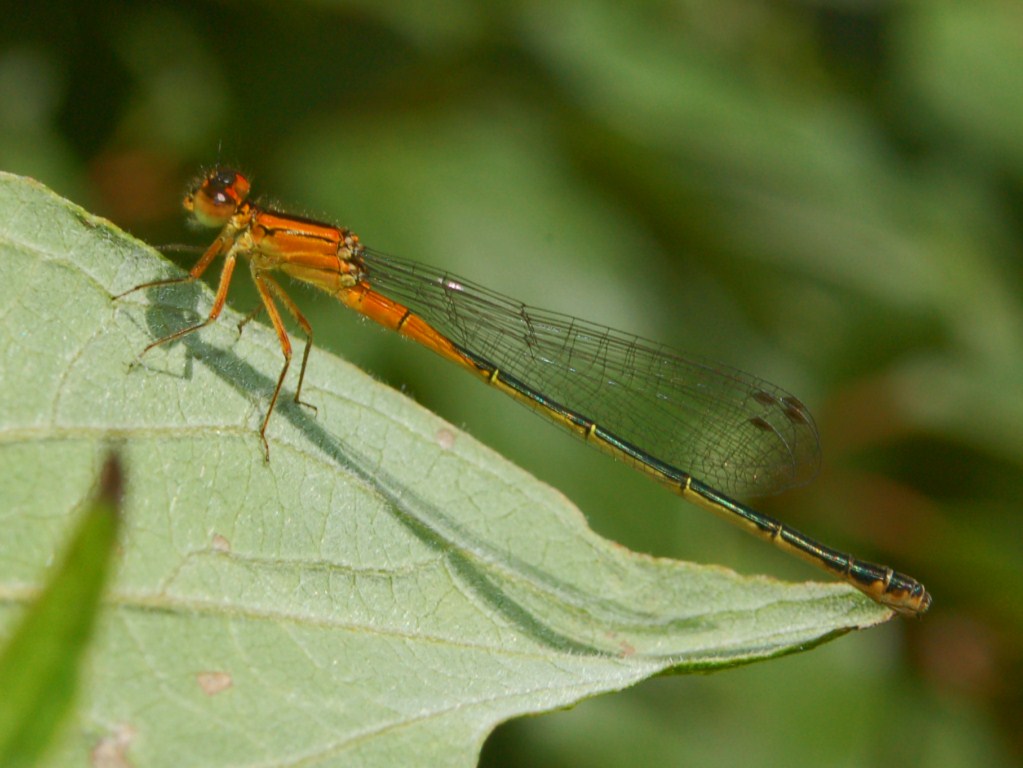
<point x="699" y="428"/>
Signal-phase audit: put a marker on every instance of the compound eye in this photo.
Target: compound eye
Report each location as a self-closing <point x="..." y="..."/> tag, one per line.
<point x="217" y="197"/>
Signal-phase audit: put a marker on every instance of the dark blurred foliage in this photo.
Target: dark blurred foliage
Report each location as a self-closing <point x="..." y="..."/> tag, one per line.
<point x="828" y="194"/>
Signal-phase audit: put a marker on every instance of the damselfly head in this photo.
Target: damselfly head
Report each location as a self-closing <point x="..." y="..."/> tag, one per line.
<point x="217" y="196"/>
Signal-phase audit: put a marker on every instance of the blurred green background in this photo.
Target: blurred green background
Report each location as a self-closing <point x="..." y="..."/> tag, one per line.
<point x="826" y="194"/>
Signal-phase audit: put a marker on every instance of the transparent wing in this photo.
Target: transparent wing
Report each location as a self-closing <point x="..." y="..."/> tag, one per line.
<point x="731" y="430"/>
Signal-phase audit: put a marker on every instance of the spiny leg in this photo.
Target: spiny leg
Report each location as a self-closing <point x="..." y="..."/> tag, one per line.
<point x="218" y="247"/>
<point x="194" y="274"/>
<point x="304" y="324"/>
<point x="263" y="284"/>
<point x="250" y="317"/>
<point x="307" y="328"/>
<point x="215" y="310"/>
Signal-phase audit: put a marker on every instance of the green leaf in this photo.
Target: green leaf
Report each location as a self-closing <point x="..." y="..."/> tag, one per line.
<point x="384" y="591"/>
<point x="39" y="664"/>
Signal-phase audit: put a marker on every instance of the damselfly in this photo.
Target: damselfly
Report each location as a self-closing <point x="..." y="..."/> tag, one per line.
<point x="705" y="431"/>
